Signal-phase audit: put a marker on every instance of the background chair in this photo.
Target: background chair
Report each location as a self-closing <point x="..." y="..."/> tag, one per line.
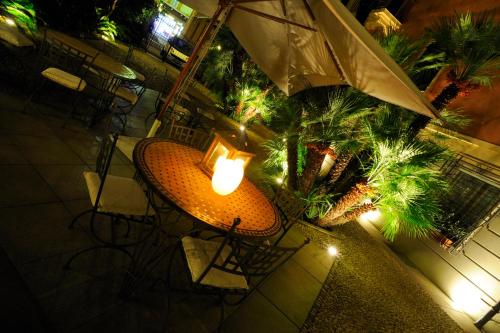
<point x="196" y="138"/>
<point x="227" y="267"/>
<point x="63" y="65"/>
<point x="119" y="198"/>
<point x="105" y="86"/>
<point x="290" y="208"/>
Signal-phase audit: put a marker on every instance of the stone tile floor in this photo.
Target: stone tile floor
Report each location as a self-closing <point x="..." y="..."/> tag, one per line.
<point x="42" y="189"/>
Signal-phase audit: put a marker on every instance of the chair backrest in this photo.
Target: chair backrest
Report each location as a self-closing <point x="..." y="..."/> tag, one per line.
<point x="290" y="206"/>
<point x="106" y="83"/>
<point x="56" y="53"/>
<point x="239" y="257"/>
<point x="187" y="135"/>
<point x="105" y="154"/>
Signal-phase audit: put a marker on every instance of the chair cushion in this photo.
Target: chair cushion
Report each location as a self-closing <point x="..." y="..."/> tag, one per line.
<point x="138" y="76"/>
<point x="199" y="253"/>
<point x="127" y="94"/>
<point x="64" y="78"/>
<point x="120" y="195"/>
<point x="126" y="145"/>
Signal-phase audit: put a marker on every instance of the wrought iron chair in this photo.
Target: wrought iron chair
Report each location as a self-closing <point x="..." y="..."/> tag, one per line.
<point x="119" y="198"/>
<point x="188" y="136"/>
<point x="63" y="65"/>
<point x="227" y="267"/>
<point x="290" y="208"/>
<point x="105" y="86"/>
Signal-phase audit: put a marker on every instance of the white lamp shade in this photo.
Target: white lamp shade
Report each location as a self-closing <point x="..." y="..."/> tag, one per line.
<point x="227" y="175"/>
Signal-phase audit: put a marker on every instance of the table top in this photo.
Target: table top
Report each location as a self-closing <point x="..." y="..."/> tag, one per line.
<point x="103" y="61"/>
<point x="172" y="170"/>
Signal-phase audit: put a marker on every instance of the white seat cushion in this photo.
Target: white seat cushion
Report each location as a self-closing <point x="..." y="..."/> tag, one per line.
<point x="127" y="94"/>
<point x="138" y="76"/>
<point x="126" y="145"/>
<point x="120" y="195"/>
<point x="64" y="78"/>
<point x="199" y="253"/>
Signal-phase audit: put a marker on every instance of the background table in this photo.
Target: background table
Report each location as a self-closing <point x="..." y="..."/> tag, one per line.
<point x="172" y="170"/>
<point x="102" y="60"/>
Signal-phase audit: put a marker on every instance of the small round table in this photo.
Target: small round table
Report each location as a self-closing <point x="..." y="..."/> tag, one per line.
<point x="172" y="171"/>
<point x="102" y="61"/>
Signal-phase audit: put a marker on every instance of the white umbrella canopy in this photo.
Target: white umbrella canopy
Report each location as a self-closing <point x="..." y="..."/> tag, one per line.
<point x="331" y="48"/>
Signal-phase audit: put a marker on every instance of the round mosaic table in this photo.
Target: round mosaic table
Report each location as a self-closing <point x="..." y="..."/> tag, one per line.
<point x="172" y="170"/>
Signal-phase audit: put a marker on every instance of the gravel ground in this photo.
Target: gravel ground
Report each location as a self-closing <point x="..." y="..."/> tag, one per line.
<point x="369" y="290"/>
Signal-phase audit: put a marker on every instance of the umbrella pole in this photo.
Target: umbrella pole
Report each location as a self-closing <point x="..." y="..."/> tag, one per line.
<point x="183" y="75"/>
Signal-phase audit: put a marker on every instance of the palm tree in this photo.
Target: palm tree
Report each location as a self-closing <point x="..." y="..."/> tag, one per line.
<point x="471" y="45"/>
<point x="329" y="130"/>
<point x="401" y="180"/>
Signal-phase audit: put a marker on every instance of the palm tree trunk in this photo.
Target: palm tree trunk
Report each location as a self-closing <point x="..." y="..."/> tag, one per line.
<point x="444" y="98"/>
<point x="338" y="168"/>
<point x="292" y="159"/>
<point x="315" y="156"/>
<point x="355" y="194"/>
<point x="353" y="214"/>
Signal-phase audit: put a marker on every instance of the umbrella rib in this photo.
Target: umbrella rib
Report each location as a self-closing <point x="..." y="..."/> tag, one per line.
<point x="335" y="62"/>
<point x="273" y="18"/>
<point x="283" y="8"/>
<point x="309" y="10"/>
<point x="243" y="1"/>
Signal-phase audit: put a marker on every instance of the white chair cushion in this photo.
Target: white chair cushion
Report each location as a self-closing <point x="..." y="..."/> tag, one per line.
<point x="126" y="145"/>
<point x="199" y="253"/>
<point x="64" y="78"/>
<point x="127" y="94"/>
<point x="138" y="76"/>
<point x="120" y="195"/>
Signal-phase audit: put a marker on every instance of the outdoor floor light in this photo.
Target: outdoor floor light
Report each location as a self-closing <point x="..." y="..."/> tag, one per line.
<point x="225" y="161"/>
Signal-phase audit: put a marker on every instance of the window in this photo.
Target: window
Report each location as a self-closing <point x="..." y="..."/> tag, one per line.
<point x="473" y="199"/>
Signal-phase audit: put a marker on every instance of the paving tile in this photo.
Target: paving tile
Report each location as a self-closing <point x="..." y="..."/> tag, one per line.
<point x="129" y="317"/>
<point x="21" y="185"/>
<point x="257" y="314"/>
<point x="75" y="207"/>
<point x="75" y="304"/>
<point x="46" y="150"/>
<point x="38" y="231"/>
<point x="24" y="124"/>
<point x="46" y="275"/>
<point x="293" y="290"/>
<point x="67" y="181"/>
<point x="312" y="257"/>
<point x="10" y="154"/>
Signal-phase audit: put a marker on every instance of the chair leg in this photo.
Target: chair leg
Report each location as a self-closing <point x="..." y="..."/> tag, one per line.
<point x="78" y="216"/>
<point x="67" y="265"/>
<point x="36" y="89"/>
<point x="76" y="101"/>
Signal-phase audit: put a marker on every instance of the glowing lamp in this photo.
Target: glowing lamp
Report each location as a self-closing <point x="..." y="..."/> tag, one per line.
<point x="227" y="175"/>
<point x="229" y="146"/>
<point x="332" y="251"/>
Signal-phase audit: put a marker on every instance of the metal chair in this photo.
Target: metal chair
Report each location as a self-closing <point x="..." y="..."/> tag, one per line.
<point x="63" y="65"/>
<point x="119" y="198"/>
<point x="227" y="267"/>
<point x="290" y="209"/>
<point x="105" y="85"/>
<point x="198" y="139"/>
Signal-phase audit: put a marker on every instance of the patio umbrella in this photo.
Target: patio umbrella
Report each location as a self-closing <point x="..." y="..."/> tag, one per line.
<point x="302" y="44"/>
